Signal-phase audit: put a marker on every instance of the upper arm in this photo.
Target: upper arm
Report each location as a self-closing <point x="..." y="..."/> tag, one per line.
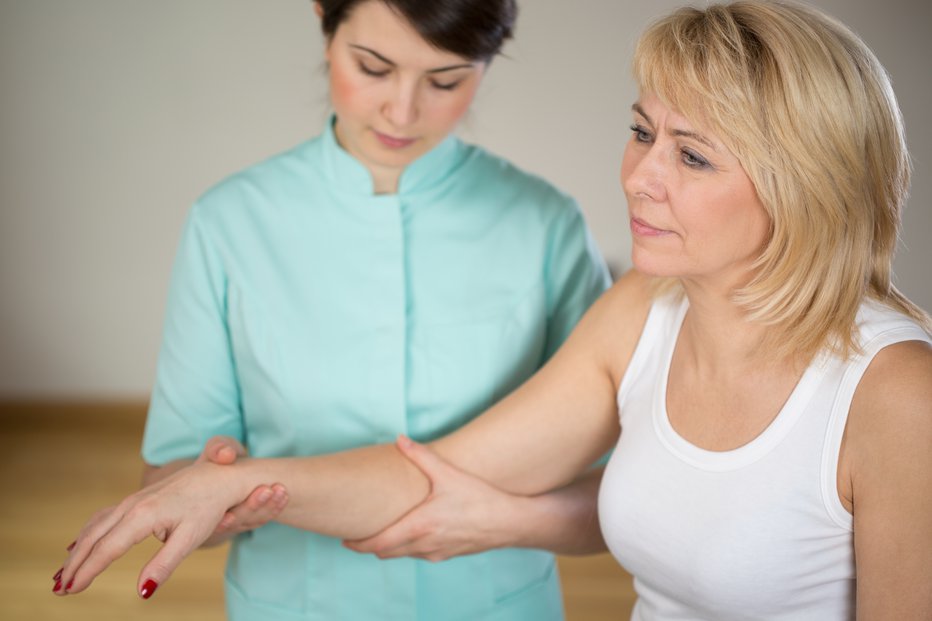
<point x="195" y="394"/>
<point x="563" y="418"/>
<point x="888" y="448"/>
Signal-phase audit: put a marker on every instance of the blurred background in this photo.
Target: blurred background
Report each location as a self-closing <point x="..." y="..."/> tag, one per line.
<point x="116" y="114"/>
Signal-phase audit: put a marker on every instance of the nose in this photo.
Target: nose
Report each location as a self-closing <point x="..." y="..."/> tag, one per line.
<point x="401" y="106"/>
<point x="643" y="172"/>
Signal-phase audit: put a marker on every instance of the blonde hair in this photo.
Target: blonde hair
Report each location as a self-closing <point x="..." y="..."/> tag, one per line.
<point x="809" y="111"/>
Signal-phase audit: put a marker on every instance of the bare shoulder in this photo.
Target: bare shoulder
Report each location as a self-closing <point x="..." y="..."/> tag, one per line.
<point x="896" y="391"/>
<point x="625" y="302"/>
<point x="889" y="429"/>
<point x="617" y="319"/>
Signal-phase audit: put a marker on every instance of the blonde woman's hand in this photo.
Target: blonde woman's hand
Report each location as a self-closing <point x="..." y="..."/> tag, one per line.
<point x="181" y="510"/>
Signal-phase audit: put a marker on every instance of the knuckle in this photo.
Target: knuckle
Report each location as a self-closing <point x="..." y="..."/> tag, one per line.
<point x="138" y="512"/>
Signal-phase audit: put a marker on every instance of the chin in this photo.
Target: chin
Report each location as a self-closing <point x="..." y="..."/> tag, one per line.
<point x="652" y="265"/>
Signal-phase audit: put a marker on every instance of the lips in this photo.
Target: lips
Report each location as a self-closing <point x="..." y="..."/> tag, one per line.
<point x="393" y="142"/>
<point x="642" y="228"/>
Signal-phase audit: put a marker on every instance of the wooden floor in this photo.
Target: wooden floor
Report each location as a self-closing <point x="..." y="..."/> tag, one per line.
<point x="60" y="463"/>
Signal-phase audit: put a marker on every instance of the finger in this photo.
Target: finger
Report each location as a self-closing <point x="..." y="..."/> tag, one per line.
<point x="159" y="569"/>
<point x="402" y="535"/>
<point x="133" y="527"/>
<point x="234" y="519"/>
<point x="246" y="517"/>
<point x="417" y="548"/>
<point x="427" y="461"/>
<point x="223" y="450"/>
<point x="97" y="527"/>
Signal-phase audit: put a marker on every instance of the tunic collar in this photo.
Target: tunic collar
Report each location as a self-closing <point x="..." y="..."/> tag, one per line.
<point x="350" y="175"/>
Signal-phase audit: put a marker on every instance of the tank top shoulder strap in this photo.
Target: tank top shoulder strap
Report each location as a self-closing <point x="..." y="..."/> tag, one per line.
<point x="659" y="334"/>
<point x="878" y="327"/>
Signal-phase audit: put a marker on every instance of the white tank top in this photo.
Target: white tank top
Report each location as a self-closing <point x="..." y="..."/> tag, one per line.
<point x="757" y="532"/>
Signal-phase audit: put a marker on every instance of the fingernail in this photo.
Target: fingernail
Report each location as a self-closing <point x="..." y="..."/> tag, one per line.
<point x="57" y="575"/>
<point x="148" y="588"/>
<point x="68" y="586"/>
<point x="70" y="546"/>
<point x="264" y="495"/>
<point x="404" y="441"/>
<point x="57" y="586"/>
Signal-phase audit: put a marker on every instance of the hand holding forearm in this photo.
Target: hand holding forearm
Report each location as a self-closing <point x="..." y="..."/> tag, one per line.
<point x="262" y="505"/>
<point x="464" y="515"/>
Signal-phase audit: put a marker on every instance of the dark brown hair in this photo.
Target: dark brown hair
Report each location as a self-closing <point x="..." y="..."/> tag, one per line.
<point x="473" y="29"/>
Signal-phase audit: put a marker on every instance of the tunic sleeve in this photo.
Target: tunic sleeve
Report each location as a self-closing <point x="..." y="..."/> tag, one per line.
<point x="196" y="394"/>
<point x="575" y="276"/>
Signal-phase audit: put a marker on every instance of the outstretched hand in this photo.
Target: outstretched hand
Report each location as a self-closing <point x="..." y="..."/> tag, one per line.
<point x="262" y="505"/>
<point x="195" y="506"/>
<point x="462" y="515"/>
<point x="181" y="510"/>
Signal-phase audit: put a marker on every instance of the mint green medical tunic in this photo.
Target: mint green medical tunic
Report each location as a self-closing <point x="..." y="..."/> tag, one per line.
<point x="307" y="315"/>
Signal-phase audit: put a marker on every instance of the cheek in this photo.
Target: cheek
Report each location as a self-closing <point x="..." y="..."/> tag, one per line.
<point x="450" y="110"/>
<point x="345" y="94"/>
<point x="629" y="162"/>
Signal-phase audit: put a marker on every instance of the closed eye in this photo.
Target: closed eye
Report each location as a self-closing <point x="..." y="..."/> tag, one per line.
<point x="445" y="86"/>
<point x="373" y="72"/>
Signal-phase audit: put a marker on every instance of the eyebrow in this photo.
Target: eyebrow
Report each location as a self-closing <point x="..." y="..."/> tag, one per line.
<point x="677" y="132"/>
<point x="394" y="64"/>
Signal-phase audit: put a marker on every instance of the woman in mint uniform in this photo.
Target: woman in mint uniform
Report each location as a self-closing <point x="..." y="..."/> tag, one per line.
<point x="383" y="278"/>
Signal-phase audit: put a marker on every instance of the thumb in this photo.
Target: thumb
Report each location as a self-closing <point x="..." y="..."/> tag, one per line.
<point x="426" y="460"/>
<point x="223" y="450"/>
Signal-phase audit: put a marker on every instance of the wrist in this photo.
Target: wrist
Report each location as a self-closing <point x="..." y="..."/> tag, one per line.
<point x="232" y="481"/>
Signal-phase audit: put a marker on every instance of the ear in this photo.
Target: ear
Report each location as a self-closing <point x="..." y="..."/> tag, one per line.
<point x="319" y="11"/>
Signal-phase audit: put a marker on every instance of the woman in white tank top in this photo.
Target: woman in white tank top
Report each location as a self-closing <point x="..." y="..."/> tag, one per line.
<point x="767" y="390"/>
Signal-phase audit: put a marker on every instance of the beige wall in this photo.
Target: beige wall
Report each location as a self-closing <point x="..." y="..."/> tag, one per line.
<point x="116" y="114"/>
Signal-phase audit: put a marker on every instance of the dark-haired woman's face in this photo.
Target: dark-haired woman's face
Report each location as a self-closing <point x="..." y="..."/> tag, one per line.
<point x="395" y="96"/>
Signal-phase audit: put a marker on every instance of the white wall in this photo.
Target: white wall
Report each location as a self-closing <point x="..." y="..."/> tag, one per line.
<point x="116" y="114"/>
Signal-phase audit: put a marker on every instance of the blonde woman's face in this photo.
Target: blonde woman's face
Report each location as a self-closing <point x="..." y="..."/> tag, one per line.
<point x="395" y="96"/>
<point x="693" y="210"/>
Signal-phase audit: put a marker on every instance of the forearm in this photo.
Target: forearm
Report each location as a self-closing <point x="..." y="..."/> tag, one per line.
<point x="564" y="521"/>
<point x="350" y="495"/>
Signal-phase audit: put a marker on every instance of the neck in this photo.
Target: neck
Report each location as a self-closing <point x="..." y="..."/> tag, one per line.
<point x="384" y="181"/>
<point x="718" y="336"/>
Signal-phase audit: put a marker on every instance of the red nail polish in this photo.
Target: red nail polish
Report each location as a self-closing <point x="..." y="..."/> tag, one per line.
<point x="57" y="586"/>
<point x="70" y="546"/>
<point x="68" y="586"/>
<point x="148" y="588"/>
<point x="57" y="575"/>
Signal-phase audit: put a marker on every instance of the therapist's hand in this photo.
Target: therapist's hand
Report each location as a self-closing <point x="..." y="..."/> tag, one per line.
<point x="462" y="515"/>
<point x="262" y="506"/>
